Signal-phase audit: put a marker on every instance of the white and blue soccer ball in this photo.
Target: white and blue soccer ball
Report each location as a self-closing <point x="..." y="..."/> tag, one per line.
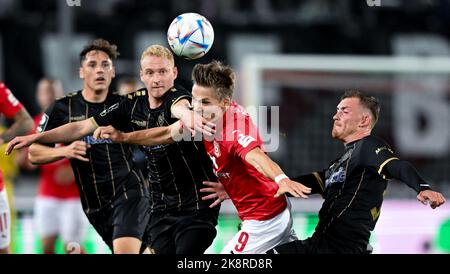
<point x="190" y="35"/>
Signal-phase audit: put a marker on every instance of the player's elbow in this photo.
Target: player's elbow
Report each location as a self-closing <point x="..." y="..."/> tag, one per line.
<point x="165" y="137"/>
<point x="28" y="125"/>
<point x="33" y="156"/>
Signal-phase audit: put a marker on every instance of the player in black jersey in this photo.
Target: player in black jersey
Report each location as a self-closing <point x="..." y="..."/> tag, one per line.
<point x="112" y="190"/>
<point x="181" y="222"/>
<point x="353" y="185"/>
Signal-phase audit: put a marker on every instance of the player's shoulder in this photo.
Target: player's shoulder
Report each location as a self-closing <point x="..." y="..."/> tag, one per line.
<point x="4" y="90"/>
<point x="140" y="93"/>
<point x="375" y="143"/>
<point x="178" y="90"/>
<point x="67" y="97"/>
<point x="239" y="111"/>
<point x="372" y="139"/>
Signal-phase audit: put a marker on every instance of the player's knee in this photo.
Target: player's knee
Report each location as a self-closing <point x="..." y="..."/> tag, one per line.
<point x="127" y="245"/>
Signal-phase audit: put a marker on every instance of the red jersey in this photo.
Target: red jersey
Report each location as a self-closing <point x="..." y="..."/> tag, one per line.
<point x="56" y="179"/>
<point x="9" y="106"/>
<point x="251" y="192"/>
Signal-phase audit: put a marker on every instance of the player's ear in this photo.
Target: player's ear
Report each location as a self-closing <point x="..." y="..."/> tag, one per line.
<point x="227" y="102"/>
<point x="175" y="72"/>
<point x="81" y="73"/>
<point x="366" y="121"/>
<point x="113" y="71"/>
<point x="141" y="75"/>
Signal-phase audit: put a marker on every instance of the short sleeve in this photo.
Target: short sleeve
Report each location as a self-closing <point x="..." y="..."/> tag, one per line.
<point x="9" y="105"/>
<point x="245" y="136"/>
<point x="177" y="94"/>
<point x="55" y="116"/>
<point x="116" y="115"/>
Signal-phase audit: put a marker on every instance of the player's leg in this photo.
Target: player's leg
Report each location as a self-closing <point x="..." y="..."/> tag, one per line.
<point x="130" y="219"/>
<point x="5" y="223"/>
<point x="46" y="221"/>
<point x="160" y="233"/>
<point x="73" y="225"/>
<point x="127" y="245"/>
<point x="256" y="237"/>
<point x="195" y="232"/>
<point x="195" y="240"/>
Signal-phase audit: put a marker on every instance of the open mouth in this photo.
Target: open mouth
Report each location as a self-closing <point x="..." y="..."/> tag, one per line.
<point x="100" y="80"/>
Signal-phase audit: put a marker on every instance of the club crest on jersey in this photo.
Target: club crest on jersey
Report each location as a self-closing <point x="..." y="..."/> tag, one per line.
<point x="161" y="120"/>
<point x="216" y="149"/>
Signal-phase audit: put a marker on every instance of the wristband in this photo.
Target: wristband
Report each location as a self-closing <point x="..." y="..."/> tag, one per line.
<point x="280" y="177"/>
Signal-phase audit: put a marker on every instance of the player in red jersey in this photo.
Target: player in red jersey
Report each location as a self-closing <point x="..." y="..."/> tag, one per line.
<point x="12" y="109"/>
<point x="252" y="180"/>
<point x="57" y="211"/>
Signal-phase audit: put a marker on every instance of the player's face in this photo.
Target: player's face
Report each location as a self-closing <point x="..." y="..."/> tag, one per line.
<point x="158" y="75"/>
<point x="206" y="103"/>
<point x="97" y="71"/>
<point x="348" y="117"/>
<point x="45" y="94"/>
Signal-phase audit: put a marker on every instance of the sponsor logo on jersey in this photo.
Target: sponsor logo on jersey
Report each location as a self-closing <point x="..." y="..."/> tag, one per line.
<point x="77" y="118"/>
<point x="90" y="140"/>
<point x="336" y="177"/>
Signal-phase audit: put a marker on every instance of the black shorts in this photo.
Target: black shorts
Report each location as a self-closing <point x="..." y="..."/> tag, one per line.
<point x="317" y="245"/>
<point x="183" y="232"/>
<point x="128" y="217"/>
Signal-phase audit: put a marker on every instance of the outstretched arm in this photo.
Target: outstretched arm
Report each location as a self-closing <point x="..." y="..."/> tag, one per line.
<point x="405" y="172"/>
<point x="259" y="160"/>
<point x="146" y="137"/>
<point x="63" y="134"/>
<point x="313" y="180"/>
<point x="39" y="154"/>
<point x="193" y="122"/>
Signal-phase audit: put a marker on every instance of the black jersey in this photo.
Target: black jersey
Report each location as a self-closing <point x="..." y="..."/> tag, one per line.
<point x="110" y="171"/>
<point x="353" y="188"/>
<point x="176" y="171"/>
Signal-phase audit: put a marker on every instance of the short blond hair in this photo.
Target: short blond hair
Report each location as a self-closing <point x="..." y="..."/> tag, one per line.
<point x="158" y="51"/>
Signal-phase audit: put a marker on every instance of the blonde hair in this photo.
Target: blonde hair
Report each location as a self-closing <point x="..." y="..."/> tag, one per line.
<point x="158" y="51"/>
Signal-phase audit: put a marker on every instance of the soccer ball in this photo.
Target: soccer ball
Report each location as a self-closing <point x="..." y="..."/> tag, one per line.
<point x="190" y="35"/>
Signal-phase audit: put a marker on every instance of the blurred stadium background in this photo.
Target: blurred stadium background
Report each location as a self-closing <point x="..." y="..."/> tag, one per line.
<point x="299" y="55"/>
